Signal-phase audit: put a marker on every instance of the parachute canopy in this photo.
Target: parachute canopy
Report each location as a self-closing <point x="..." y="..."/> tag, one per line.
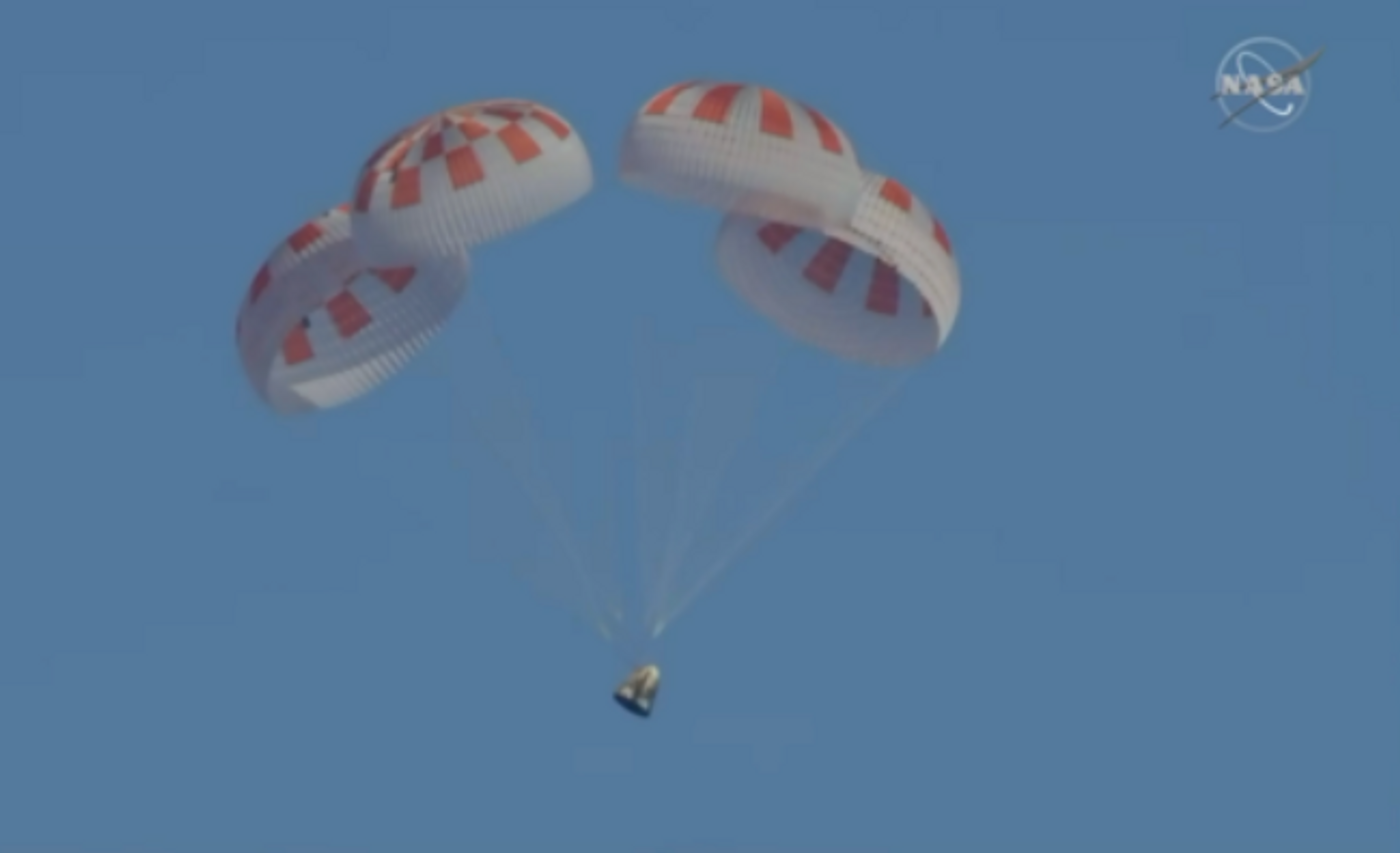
<point x="744" y="149"/>
<point x="319" y="328"/>
<point x="827" y="292"/>
<point x="464" y="176"/>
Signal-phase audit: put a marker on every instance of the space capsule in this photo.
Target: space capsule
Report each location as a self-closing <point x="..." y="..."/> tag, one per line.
<point x="638" y="691"/>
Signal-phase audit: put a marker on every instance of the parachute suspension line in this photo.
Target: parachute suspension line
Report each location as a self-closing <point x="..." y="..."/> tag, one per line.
<point x="653" y="477"/>
<point x="840" y="438"/>
<point x="605" y="554"/>
<point x="665" y="565"/>
<point x="627" y="642"/>
<point x="712" y="471"/>
<point x="527" y="471"/>
<point x="547" y="510"/>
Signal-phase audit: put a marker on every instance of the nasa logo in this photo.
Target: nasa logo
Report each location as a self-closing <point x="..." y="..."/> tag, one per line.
<point x="1256" y="67"/>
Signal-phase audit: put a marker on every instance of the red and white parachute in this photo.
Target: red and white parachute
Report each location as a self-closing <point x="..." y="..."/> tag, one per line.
<point x="353" y="295"/>
<point x="319" y="328"/>
<point x="465" y="176"/>
<point x="744" y="149"/>
<point x="869" y="299"/>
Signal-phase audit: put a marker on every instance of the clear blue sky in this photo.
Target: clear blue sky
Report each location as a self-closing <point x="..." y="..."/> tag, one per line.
<point x="1117" y="571"/>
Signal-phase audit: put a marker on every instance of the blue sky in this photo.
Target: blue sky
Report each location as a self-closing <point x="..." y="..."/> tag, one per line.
<point x="1117" y="570"/>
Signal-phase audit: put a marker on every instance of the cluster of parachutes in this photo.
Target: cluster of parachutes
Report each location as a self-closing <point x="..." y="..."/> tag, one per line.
<point x="842" y="258"/>
<point x="352" y="296"/>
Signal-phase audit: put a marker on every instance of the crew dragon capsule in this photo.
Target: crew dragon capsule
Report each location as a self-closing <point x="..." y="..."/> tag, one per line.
<point x="637" y="692"/>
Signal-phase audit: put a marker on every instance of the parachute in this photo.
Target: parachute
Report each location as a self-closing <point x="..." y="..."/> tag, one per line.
<point x="318" y="328"/>
<point x="744" y="149"/>
<point x="827" y="292"/>
<point x="466" y="176"/>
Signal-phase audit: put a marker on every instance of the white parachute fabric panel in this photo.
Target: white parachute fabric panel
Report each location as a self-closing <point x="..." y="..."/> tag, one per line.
<point x="826" y="292"/>
<point x="745" y="149"/>
<point x="318" y="328"/>
<point x="465" y="176"/>
<point x="892" y="221"/>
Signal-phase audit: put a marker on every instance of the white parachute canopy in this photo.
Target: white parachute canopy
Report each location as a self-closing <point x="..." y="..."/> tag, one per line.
<point x="319" y="328"/>
<point x="745" y="149"/>
<point x="466" y="176"/>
